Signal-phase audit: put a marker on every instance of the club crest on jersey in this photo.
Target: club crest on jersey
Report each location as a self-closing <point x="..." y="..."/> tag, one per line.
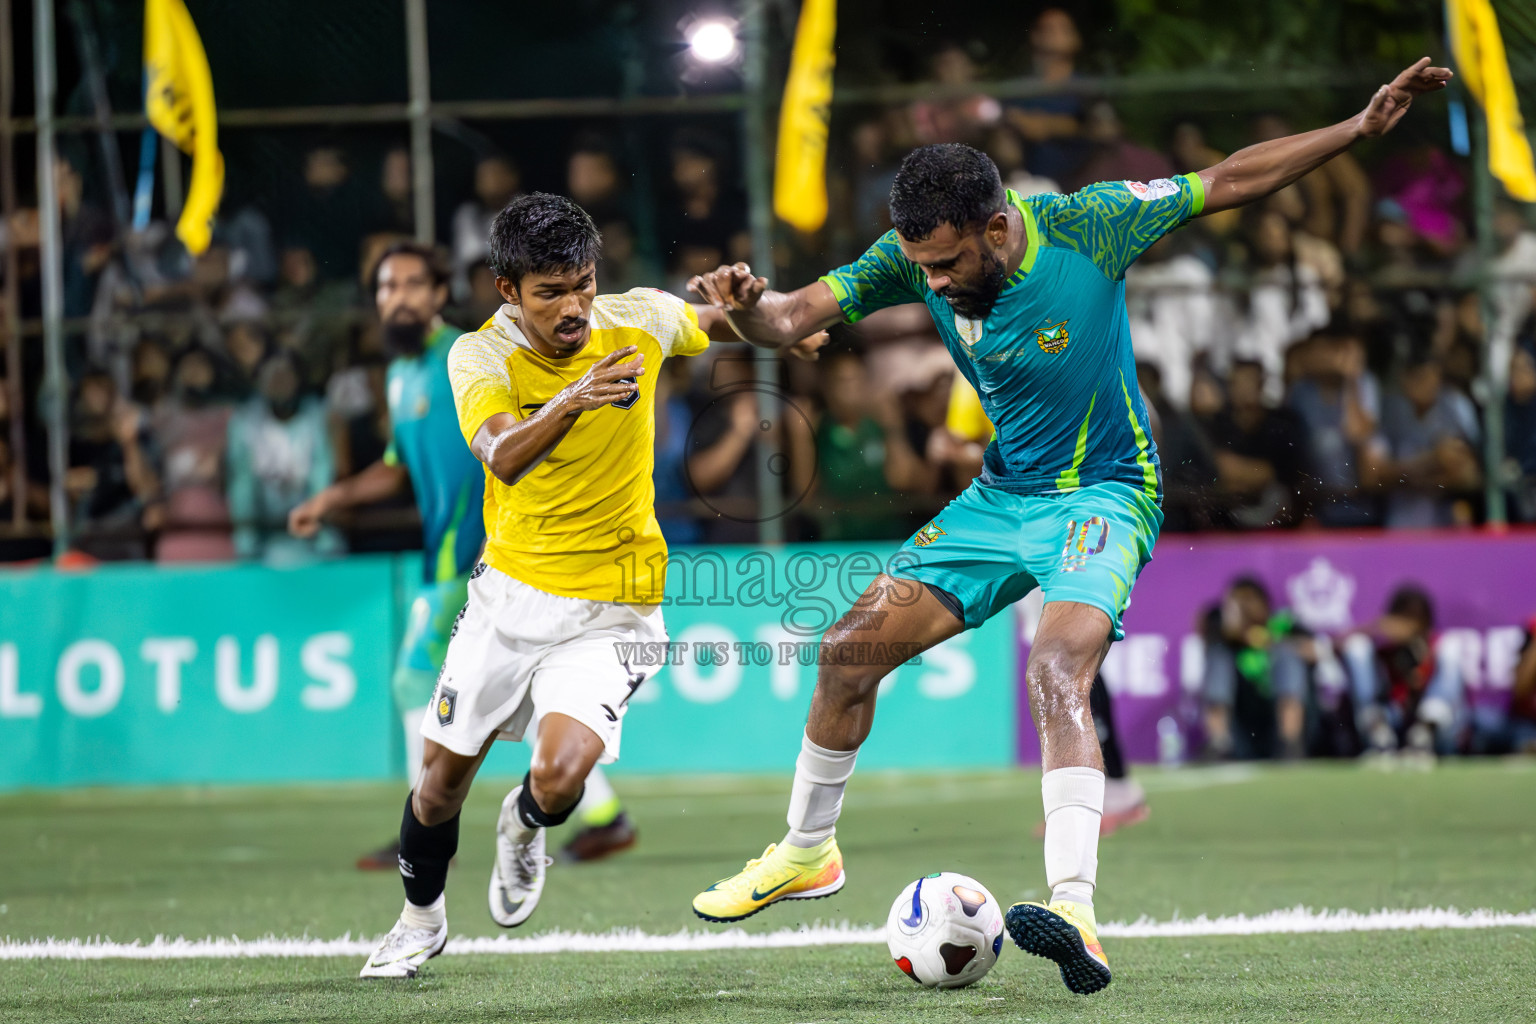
<point x="634" y="396"/>
<point x="969" y="329"/>
<point x="928" y="534"/>
<point x="1054" y="338"/>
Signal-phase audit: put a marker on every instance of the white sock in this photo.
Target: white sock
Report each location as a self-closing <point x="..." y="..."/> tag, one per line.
<point x="511" y="821"/>
<point x="1074" y="803"/>
<point x="816" y="799"/>
<point x="415" y="743"/>
<point x="433" y="916"/>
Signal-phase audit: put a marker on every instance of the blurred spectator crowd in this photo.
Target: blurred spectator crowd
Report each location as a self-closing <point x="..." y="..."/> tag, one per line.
<point x="1393" y="686"/>
<point x="1321" y="359"/>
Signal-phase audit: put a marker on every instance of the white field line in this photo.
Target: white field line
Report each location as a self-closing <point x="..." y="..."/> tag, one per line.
<point x="1299" y="920"/>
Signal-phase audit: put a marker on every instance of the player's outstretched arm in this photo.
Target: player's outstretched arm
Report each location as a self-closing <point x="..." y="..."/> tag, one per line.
<point x="743" y="305"/>
<point x="511" y="447"/>
<point x="1257" y="171"/>
<point x="379" y="481"/>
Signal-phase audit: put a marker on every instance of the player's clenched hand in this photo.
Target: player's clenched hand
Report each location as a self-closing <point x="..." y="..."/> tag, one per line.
<point x="733" y="287"/>
<point x="608" y="381"/>
<point x="1392" y="100"/>
<point x="304" y="520"/>
<point x="809" y="348"/>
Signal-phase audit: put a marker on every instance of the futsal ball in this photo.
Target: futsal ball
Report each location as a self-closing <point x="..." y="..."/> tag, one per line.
<point x="945" y="930"/>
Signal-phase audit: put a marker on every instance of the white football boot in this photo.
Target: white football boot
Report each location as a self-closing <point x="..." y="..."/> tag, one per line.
<point x="402" y="952"/>
<point x="517" y="878"/>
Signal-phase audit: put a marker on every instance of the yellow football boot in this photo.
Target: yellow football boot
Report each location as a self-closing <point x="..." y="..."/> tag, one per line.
<point x="781" y="873"/>
<point x="1066" y="933"/>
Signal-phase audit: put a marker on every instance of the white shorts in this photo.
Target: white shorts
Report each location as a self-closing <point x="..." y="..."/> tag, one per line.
<point x="518" y="653"/>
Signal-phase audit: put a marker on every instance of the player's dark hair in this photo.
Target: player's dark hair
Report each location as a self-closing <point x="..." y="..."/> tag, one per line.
<point x="1254" y="586"/>
<point x="1412" y="602"/>
<point x="949" y="183"/>
<point x="539" y="233"/>
<point x="429" y="255"/>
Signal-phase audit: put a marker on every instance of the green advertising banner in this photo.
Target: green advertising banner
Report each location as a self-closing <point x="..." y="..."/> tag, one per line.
<point x="735" y="691"/>
<point x="145" y="674"/>
<point x="223" y="674"/>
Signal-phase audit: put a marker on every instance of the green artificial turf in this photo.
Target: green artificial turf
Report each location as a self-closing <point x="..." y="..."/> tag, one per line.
<point x="131" y="865"/>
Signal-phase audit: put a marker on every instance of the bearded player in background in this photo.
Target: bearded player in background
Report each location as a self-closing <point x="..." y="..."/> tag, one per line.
<point x="1029" y="297"/>
<point x="427" y="456"/>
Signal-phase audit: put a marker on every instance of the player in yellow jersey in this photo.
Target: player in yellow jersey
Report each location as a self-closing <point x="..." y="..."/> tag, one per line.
<point x="556" y="397"/>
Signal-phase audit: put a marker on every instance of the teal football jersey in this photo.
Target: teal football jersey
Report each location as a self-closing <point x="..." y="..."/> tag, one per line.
<point x="449" y="481"/>
<point x="1052" y="363"/>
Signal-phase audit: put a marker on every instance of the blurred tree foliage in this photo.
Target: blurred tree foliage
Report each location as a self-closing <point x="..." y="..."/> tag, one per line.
<point x="1517" y="24"/>
<point x="1156" y="35"/>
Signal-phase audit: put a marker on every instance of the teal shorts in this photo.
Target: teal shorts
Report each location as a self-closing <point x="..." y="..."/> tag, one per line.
<point x="989" y="548"/>
<point x="428" y="625"/>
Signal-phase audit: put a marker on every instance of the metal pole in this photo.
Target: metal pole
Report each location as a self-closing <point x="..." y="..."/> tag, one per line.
<point x="12" y="270"/>
<point x="55" y="394"/>
<point x="1495" y="350"/>
<point x="420" y="112"/>
<point x="757" y="150"/>
<point x="171" y="189"/>
<point x="101" y="106"/>
<point x="1159" y="84"/>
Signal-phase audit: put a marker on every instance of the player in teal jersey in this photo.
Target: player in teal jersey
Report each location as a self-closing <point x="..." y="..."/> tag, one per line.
<point x="1029" y="297"/>
<point x="427" y="454"/>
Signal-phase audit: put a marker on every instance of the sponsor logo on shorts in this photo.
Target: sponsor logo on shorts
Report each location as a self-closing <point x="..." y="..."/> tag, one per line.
<point x="447" y="700"/>
<point x="1052" y="339"/>
<point x="928" y="534"/>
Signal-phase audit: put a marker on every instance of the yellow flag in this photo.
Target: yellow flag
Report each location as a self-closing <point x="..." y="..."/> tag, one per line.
<point x="800" y="179"/>
<point x="1480" y="59"/>
<point x="178" y="100"/>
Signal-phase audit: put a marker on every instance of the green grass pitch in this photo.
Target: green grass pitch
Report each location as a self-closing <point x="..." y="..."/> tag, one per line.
<point x="131" y="865"/>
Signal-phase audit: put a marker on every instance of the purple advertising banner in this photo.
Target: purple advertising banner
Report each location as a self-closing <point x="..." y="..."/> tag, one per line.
<point x="1483" y="586"/>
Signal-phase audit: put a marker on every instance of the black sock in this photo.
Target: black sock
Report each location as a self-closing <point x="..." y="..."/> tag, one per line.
<point x="425" y="851"/>
<point x="534" y="816"/>
<point x="1104" y="722"/>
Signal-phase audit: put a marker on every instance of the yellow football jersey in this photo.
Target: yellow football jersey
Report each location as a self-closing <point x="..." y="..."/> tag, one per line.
<point x="966" y="418"/>
<point x="583" y="522"/>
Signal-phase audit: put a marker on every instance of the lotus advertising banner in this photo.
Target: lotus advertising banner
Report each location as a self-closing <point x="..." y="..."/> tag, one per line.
<point x="143" y="674"/>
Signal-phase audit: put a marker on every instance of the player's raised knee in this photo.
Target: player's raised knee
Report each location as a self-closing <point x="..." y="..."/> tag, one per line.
<point x="850" y="683"/>
<point x="1056" y="670"/>
<point x="558" y="777"/>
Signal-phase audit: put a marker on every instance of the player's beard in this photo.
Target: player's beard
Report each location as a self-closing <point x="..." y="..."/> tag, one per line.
<point x="404" y="338"/>
<point x="976" y="302"/>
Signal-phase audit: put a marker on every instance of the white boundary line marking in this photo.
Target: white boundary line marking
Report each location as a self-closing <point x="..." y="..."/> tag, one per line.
<point x="1298" y="920"/>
